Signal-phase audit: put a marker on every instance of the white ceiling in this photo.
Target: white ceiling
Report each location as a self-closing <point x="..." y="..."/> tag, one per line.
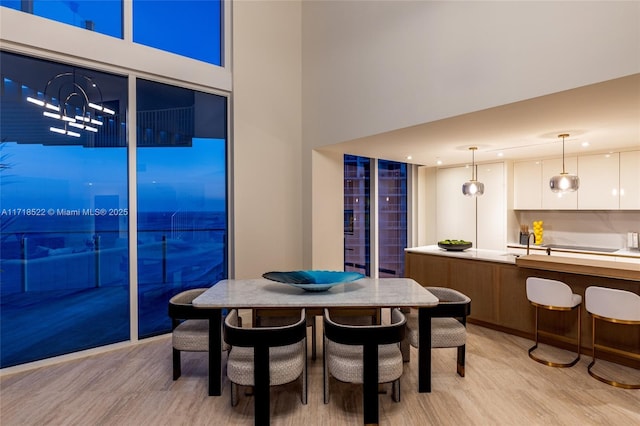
<point x="606" y="115"/>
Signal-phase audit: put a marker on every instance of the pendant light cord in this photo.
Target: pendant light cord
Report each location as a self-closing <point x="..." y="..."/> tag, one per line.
<point x="473" y="164"/>
<point x="563" y="171"/>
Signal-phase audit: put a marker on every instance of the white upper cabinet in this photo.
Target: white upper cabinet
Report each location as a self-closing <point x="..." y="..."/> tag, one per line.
<point x="599" y="181"/>
<point x="559" y="201"/>
<point x="527" y="185"/>
<point x="630" y="180"/>
<point x="492" y="207"/>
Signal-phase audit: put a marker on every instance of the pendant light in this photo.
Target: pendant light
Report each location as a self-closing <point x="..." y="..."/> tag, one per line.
<point x="564" y="182"/>
<point x="473" y="187"/>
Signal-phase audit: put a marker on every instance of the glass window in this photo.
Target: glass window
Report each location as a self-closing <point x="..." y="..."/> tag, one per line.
<point x="64" y="282"/>
<point x="190" y="28"/>
<point x="102" y="16"/>
<point x="181" y="175"/>
<point x="357" y="237"/>
<point x="392" y="218"/>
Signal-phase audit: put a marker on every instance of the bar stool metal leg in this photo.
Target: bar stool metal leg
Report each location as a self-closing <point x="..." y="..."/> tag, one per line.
<point x="593" y="362"/>
<point x="535" y="346"/>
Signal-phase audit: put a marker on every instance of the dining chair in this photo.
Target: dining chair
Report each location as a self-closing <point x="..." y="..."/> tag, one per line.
<point x="265" y="356"/>
<point x="448" y="325"/>
<point x="615" y="306"/>
<point x="189" y="327"/>
<point x="553" y="295"/>
<point x="274" y="317"/>
<point x="367" y="354"/>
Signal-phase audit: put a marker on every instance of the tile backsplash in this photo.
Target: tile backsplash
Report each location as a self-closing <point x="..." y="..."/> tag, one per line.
<point x="605" y="229"/>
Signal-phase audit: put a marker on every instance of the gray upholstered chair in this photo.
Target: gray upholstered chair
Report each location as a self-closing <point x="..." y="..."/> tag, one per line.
<point x="265" y="356"/>
<point x="448" y="325"/>
<point x="614" y="306"/>
<point x="266" y="317"/>
<point x="367" y="354"/>
<point x="189" y="326"/>
<point x="553" y="295"/>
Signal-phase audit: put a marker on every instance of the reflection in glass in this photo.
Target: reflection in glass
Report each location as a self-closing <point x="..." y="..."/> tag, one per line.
<point x="104" y="17"/>
<point x="64" y="282"/>
<point x="392" y="217"/>
<point x="182" y="226"/>
<point x="356" y="214"/>
<point x="187" y="27"/>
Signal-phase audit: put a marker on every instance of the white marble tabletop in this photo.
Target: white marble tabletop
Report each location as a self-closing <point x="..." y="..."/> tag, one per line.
<point x="365" y="292"/>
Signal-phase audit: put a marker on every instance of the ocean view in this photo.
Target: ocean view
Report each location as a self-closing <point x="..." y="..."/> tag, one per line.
<point x="73" y="271"/>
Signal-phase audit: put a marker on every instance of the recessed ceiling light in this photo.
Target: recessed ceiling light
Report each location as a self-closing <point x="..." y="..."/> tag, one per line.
<point x="439" y="162"/>
<point x="409" y="157"/>
<point x="500" y="154"/>
<point x="585" y="143"/>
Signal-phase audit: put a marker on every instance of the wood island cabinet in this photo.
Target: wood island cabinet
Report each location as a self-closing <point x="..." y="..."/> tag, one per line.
<point x="499" y="301"/>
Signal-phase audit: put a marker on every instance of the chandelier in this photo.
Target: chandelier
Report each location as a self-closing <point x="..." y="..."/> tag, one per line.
<point x="75" y="100"/>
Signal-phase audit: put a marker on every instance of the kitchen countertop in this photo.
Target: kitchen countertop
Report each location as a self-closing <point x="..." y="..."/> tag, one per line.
<point x="472" y="253"/>
<point x="569" y="249"/>
<point x="507" y="257"/>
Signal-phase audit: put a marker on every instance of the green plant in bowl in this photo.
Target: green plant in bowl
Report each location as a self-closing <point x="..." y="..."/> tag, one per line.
<point x="455" y="245"/>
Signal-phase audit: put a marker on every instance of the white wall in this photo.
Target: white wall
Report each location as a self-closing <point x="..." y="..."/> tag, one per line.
<point x="267" y="136"/>
<point x="376" y="66"/>
<point x="606" y="229"/>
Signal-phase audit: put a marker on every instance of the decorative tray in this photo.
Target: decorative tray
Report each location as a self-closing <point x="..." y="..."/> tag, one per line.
<point x="313" y="280"/>
<point x="455" y="245"/>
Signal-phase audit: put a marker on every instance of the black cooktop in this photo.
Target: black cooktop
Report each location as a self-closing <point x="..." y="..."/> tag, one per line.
<point x="581" y="248"/>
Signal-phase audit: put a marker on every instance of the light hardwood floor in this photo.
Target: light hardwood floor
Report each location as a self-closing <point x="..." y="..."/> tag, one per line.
<point x="133" y="386"/>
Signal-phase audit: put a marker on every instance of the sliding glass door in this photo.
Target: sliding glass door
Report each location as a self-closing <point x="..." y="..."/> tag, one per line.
<point x="386" y="214"/>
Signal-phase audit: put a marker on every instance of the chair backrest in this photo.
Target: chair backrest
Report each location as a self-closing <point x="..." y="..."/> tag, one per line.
<point x="451" y="303"/>
<point x="548" y="292"/>
<point x="379" y="334"/>
<point x="181" y="307"/>
<point x="611" y="303"/>
<point x="263" y="337"/>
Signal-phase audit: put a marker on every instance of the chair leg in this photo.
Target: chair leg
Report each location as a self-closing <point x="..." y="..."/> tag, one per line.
<point x="593" y="362"/>
<point x="395" y="390"/>
<point x="234" y="394"/>
<point x="325" y="373"/>
<point x="177" y="371"/>
<point x="556" y="364"/>
<point x="313" y="338"/>
<point x="405" y="349"/>
<point x="305" y="378"/>
<point x="460" y="360"/>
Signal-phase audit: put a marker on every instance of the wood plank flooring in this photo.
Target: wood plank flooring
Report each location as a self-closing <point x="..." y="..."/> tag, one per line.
<point x="133" y="386"/>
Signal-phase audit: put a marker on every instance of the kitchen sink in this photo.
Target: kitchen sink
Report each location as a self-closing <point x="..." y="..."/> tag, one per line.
<point x="510" y="254"/>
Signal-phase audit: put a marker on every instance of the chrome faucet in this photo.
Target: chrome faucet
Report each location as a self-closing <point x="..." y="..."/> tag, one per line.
<point x="531" y="234"/>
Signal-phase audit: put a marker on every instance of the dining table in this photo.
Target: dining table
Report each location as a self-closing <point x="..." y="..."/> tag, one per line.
<point x="361" y="293"/>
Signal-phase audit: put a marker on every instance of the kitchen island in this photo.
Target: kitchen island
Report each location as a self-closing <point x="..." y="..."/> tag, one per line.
<point x="496" y="283"/>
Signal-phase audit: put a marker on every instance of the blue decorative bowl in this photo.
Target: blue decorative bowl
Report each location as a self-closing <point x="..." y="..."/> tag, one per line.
<point x="313" y="280"/>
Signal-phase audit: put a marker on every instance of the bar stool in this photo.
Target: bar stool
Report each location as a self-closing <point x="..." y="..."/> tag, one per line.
<point x="554" y="296"/>
<point x="611" y="305"/>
